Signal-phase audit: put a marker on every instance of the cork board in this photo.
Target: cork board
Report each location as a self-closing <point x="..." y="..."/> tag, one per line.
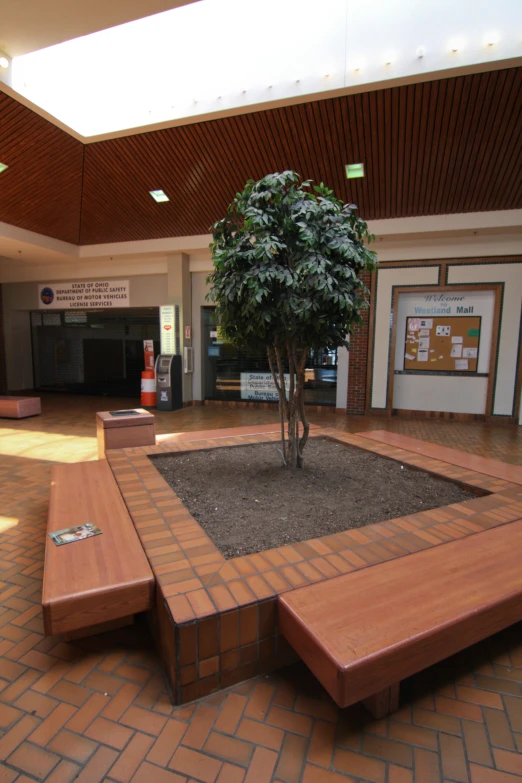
<point x="444" y="344"/>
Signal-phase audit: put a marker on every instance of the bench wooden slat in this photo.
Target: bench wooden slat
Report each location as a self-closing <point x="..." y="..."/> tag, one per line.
<point x="99" y="579"/>
<point x="365" y="631"/>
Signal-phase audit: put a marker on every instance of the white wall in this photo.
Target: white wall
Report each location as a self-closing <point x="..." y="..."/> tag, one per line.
<point x="511" y="276"/>
<point x="386" y="279"/>
<point x="145" y="264"/>
<point x="457" y="394"/>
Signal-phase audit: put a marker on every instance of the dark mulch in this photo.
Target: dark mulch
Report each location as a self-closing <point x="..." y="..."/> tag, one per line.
<point x="247" y="502"/>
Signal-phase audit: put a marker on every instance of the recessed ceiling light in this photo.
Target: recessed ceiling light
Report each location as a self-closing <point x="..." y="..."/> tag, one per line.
<point x="159" y="195"/>
<point x="3" y="167"/>
<point x="491" y="38"/>
<point x="354" y="170"/>
<point x="4" y="60"/>
<point x="455" y="44"/>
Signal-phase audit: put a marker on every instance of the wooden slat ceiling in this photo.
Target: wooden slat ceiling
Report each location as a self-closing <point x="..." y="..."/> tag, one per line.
<point x="41" y="189"/>
<point x="446" y="146"/>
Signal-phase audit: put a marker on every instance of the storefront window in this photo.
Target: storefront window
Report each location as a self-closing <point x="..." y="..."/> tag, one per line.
<point x="232" y="374"/>
<point x="94" y="352"/>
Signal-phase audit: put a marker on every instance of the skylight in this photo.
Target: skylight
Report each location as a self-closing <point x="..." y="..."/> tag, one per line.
<point x="159" y="196"/>
<point x="354" y="170"/>
<point x="223" y="55"/>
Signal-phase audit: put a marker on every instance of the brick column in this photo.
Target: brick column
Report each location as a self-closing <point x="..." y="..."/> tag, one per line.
<point x="358" y="363"/>
<point x="3" y="366"/>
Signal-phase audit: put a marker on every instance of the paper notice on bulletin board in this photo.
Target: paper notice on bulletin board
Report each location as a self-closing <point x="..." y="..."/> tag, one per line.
<point x="456" y="350"/>
<point x="461" y="364"/>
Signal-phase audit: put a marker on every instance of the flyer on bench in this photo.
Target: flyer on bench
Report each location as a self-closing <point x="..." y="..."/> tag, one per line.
<point x="78" y="533"/>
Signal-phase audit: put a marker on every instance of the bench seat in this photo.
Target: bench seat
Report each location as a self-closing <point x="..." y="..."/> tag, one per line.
<point x="100" y="579"/>
<point x="19" y="407"/>
<point x="363" y="632"/>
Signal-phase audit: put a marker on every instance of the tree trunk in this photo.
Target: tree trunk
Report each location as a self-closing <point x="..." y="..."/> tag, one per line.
<point x="291" y="409"/>
<point x="301" y="406"/>
<point x="281" y="391"/>
<point x="293" y="421"/>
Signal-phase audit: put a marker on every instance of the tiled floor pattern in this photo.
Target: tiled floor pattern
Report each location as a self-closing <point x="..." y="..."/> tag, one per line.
<point x="97" y="710"/>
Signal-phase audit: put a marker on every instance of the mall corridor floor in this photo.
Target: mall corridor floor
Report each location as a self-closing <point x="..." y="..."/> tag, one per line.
<point x="98" y="709"/>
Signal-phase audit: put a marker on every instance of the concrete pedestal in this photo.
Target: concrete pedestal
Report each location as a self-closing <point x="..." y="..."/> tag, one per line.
<point x="19" y="407"/>
<point x="135" y="428"/>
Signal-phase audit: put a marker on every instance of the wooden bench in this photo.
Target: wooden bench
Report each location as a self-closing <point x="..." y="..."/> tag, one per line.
<point x="19" y="407"/>
<point x="364" y="632"/>
<point x="101" y="579"/>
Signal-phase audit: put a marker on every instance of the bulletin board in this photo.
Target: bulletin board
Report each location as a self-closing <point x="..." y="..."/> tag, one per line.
<point x="443" y="344"/>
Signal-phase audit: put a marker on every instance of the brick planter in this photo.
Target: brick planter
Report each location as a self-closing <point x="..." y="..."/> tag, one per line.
<point x="215" y="620"/>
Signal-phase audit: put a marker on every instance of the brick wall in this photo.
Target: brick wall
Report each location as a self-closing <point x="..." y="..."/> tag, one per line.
<point x="3" y="367"/>
<point x="358" y="364"/>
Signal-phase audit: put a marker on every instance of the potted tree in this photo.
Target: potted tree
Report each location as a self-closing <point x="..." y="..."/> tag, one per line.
<point x="287" y="263"/>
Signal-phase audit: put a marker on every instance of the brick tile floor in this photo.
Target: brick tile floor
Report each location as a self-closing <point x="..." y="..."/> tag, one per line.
<point x="97" y="709"/>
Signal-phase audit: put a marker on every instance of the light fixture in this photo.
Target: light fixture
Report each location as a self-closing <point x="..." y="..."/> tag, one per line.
<point x="420" y="51"/>
<point x="491" y="38"/>
<point x="358" y="65"/>
<point x="4" y="60"/>
<point x="159" y="195"/>
<point x="389" y="57"/>
<point x="354" y="170"/>
<point x="455" y="44"/>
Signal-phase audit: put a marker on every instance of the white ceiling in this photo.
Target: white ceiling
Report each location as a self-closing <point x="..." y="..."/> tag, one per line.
<point x="186" y="63"/>
<point x="29" y="25"/>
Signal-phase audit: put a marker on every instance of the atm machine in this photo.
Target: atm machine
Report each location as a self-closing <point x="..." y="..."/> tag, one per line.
<point x="169" y="382"/>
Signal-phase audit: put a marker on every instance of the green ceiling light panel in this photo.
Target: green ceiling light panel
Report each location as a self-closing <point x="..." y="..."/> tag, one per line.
<point x="354" y="170"/>
<point x="3" y="167"/>
<point x="159" y="196"/>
